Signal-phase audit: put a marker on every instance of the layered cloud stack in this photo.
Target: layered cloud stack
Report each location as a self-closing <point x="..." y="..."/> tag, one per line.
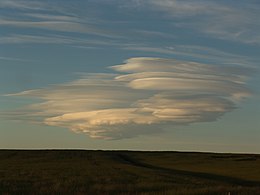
<point x="146" y="95"/>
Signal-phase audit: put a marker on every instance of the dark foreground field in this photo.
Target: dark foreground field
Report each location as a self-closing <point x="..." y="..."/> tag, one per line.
<point x="124" y="172"/>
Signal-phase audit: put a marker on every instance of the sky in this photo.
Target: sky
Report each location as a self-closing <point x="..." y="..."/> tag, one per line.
<point x="179" y="75"/>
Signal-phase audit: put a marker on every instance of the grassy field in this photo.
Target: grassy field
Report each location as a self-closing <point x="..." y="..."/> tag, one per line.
<point x="125" y="172"/>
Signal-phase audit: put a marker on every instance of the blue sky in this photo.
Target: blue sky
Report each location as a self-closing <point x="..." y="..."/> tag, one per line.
<point x="135" y="74"/>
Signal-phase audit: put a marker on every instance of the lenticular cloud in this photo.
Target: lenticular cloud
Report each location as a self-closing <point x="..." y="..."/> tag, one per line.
<point x="144" y="95"/>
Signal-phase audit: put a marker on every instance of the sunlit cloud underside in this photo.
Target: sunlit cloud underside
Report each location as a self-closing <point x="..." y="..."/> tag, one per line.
<point x="143" y="96"/>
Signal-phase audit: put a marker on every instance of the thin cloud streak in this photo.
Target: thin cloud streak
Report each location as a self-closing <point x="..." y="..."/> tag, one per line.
<point x="22" y="5"/>
<point x="57" y="39"/>
<point x="146" y="95"/>
<point x="13" y="59"/>
<point x="56" y="25"/>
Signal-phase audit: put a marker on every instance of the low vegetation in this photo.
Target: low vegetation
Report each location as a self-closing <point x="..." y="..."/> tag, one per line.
<point x="127" y="172"/>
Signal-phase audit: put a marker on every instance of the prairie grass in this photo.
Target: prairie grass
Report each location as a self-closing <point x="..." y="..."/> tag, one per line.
<point x="125" y="172"/>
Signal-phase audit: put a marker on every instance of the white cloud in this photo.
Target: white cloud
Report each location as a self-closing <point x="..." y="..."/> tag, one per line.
<point x="152" y="93"/>
<point x="99" y="121"/>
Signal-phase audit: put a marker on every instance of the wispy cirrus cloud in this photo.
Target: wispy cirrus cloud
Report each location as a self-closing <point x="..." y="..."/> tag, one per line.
<point x="21" y="39"/>
<point x="22" y="5"/>
<point x="54" y="20"/>
<point x="50" y="16"/>
<point x="219" y="19"/>
<point x="57" y="39"/>
<point x="56" y="25"/>
<point x="141" y="98"/>
<point x="12" y="59"/>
